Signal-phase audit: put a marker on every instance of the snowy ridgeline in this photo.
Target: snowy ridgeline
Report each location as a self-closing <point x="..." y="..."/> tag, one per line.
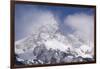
<point x="41" y="55"/>
<point x="51" y="50"/>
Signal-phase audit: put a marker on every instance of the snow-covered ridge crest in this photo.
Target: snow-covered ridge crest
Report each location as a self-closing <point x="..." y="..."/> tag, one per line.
<point x="55" y="41"/>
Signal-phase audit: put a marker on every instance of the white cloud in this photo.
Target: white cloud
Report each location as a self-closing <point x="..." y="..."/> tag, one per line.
<point x="31" y="22"/>
<point x="82" y="23"/>
<point x="44" y="21"/>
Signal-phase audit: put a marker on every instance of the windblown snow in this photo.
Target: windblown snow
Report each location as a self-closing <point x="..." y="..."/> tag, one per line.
<point x="47" y="45"/>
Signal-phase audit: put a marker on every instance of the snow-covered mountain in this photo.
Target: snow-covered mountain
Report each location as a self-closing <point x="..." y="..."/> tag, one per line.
<point x="47" y="45"/>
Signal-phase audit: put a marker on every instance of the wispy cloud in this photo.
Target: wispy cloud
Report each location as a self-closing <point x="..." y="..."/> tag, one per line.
<point x="45" y="20"/>
<point x="34" y="20"/>
<point x="82" y="24"/>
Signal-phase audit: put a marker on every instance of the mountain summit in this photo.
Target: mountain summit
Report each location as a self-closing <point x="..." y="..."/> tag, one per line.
<point x="47" y="45"/>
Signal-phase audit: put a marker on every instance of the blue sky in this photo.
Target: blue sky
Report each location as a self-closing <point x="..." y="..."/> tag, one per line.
<point x="25" y="15"/>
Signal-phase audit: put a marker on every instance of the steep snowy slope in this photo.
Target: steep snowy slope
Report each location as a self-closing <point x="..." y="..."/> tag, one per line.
<point x="69" y="47"/>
